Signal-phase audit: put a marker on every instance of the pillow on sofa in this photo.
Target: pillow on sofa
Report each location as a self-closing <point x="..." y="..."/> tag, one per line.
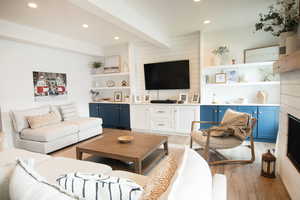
<point x="98" y="186"/>
<point x="26" y="184"/>
<point x="43" y="120"/>
<point x="69" y="112"/>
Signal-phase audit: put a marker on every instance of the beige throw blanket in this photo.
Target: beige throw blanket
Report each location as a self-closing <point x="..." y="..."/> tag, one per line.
<point x="233" y="124"/>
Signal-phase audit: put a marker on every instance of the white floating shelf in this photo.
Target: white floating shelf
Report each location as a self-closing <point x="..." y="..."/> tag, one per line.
<point x="250" y="65"/>
<point x="245" y="84"/>
<point x="110" y="75"/>
<point x="111" y="88"/>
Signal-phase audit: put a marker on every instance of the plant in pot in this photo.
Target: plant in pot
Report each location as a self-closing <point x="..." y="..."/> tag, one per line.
<point x="221" y="55"/>
<point x="281" y="21"/>
<point x="96" y="67"/>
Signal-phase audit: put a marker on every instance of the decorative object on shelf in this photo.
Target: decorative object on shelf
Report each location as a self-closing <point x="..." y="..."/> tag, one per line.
<point x="268" y="74"/>
<point x="127" y="99"/>
<point x="137" y="99"/>
<point x="261" y="54"/>
<point x="118" y="96"/>
<point x="242" y="78"/>
<point x="124" y="83"/>
<point x="183" y="97"/>
<point x="221" y="55"/>
<point x="232" y="76"/>
<point x="220" y="78"/>
<point x="112" y="64"/>
<point x="110" y="83"/>
<point x="268" y="164"/>
<point x="105" y="99"/>
<point x="125" y="139"/>
<point x="261" y="97"/>
<point x="241" y="100"/>
<point x="97" y="68"/>
<point x="146" y="98"/>
<point x="48" y="85"/>
<point x="94" y="94"/>
<point x="195" y="98"/>
<point x="281" y="20"/>
<point x="207" y="79"/>
<point x="214" y="99"/>
<point x="233" y="61"/>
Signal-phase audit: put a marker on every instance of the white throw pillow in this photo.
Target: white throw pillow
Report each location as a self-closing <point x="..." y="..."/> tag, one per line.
<point x="26" y="184"/>
<point x="194" y="179"/>
<point x="69" y="112"/>
<point x="99" y="186"/>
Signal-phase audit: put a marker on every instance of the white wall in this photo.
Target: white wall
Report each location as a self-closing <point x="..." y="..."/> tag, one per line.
<point x="181" y="47"/>
<point x="237" y="39"/>
<point x="18" y="60"/>
<point x="290" y="104"/>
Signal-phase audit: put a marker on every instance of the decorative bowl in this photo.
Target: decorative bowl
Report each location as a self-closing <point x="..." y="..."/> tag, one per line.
<point x="125" y="139"/>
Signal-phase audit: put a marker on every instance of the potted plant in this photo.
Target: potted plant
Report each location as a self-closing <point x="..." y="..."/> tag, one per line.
<point x="281" y="21"/>
<point x="221" y="55"/>
<point x="96" y="66"/>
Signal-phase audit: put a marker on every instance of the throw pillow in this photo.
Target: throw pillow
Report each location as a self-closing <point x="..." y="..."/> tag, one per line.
<point x="43" y="120"/>
<point x="69" y="112"/>
<point x="160" y="181"/>
<point x="26" y="184"/>
<point x="98" y="186"/>
<point x="235" y="118"/>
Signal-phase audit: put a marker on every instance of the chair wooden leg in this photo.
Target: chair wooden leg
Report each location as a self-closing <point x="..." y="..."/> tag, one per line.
<point x="191" y="143"/>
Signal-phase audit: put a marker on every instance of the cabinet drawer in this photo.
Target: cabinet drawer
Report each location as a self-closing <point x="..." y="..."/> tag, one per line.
<point x="161" y="112"/>
<point x="161" y="124"/>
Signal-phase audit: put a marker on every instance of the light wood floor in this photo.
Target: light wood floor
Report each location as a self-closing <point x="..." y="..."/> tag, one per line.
<point x="244" y="181"/>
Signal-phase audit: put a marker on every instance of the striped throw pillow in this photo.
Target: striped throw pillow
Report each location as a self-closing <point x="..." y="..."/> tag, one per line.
<point x="69" y="112"/>
<point x="100" y="187"/>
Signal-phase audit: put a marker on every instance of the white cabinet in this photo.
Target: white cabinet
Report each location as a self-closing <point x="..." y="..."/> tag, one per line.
<point x="157" y="118"/>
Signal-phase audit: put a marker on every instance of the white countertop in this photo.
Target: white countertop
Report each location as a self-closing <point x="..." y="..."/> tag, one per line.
<point x="109" y="102"/>
<point x="188" y="104"/>
<point x="235" y="104"/>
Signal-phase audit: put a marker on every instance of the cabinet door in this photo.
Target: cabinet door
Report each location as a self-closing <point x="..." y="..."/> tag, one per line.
<point x="94" y="109"/>
<point x="252" y="110"/>
<point x="184" y="115"/>
<point x="208" y="113"/>
<point x="140" y="117"/>
<point x="124" y="116"/>
<point x="222" y="110"/>
<point x="268" y="122"/>
<point x="110" y="115"/>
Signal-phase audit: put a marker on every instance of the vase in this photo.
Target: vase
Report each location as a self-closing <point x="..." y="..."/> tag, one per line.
<point x="282" y="42"/>
<point x="224" y="59"/>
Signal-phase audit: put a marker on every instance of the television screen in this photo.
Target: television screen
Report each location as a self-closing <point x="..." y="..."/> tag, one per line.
<point x="167" y="75"/>
<point x="293" y="152"/>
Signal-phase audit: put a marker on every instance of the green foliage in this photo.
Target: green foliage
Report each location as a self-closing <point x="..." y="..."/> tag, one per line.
<point x="221" y="50"/>
<point x="97" y="65"/>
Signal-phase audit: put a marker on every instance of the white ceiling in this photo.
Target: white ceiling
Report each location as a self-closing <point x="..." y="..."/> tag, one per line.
<point x="172" y="17"/>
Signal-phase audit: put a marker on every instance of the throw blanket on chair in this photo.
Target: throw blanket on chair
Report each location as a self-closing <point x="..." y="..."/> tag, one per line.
<point x="233" y="124"/>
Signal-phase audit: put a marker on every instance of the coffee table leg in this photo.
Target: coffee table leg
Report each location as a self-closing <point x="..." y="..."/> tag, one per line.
<point x="166" y="148"/>
<point x="138" y="167"/>
<point x="78" y="154"/>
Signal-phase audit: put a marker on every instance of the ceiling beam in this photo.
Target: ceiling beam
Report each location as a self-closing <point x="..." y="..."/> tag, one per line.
<point x="119" y="13"/>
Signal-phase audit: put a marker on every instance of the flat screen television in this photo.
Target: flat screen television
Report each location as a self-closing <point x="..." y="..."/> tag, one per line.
<point x="167" y="75"/>
<point x="293" y="152"/>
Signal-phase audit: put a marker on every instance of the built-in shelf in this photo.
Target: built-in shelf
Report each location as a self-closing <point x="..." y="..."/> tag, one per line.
<point x="111" y="88"/>
<point x="246" y="65"/>
<point x="110" y="75"/>
<point x="245" y="84"/>
<point x="288" y="63"/>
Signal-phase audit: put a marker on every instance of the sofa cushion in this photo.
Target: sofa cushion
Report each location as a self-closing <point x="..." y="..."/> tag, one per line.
<point x="49" y="133"/>
<point x="68" y="165"/>
<point x="86" y="123"/>
<point x="69" y="112"/>
<point x="43" y="120"/>
<point x="19" y="116"/>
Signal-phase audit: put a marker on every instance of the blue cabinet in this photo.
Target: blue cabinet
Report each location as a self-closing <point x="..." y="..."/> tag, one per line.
<point x="113" y="115"/>
<point x="267" y="119"/>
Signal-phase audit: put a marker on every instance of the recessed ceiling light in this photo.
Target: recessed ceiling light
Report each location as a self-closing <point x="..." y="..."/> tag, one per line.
<point x="197" y="0"/>
<point x="85" y="25"/>
<point x="207" y="22"/>
<point x="116" y="38"/>
<point x="32" y="5"/>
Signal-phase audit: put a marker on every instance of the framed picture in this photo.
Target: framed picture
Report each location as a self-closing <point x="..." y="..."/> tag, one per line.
<point x="137" y="99"/>
<point x="147" y="98"/>
<point x="118" y="96"/>
<point x="261" y="54"/>
<point x="112" y="64"/>
<point x="195" y="98"/>
<point x="183" y="97"/>
<point x="221" y="78"/>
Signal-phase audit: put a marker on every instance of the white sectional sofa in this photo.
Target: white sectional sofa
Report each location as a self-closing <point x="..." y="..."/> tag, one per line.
<point x="52" y="137"/>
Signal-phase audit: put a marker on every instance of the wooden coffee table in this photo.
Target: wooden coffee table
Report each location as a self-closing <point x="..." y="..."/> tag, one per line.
<point x="139" y="151"/>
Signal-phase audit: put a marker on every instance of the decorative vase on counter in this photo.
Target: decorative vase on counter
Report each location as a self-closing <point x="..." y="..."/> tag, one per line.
<point x="283" y="42"/>
<point x="261" y="97"/>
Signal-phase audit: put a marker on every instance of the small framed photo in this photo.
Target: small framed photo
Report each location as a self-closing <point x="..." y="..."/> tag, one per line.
<point x="137" y="99"/>
<point x="195" y="98"/>
<point x="220" y="78"/>
<point x="118" y="96"/>
<point x="183" y="97"/>
<point x="146" y="98"/>
<point x="232" y="76"/>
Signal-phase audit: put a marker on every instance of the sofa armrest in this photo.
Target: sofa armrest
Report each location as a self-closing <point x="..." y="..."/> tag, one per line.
<point x="219" y="187"/>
